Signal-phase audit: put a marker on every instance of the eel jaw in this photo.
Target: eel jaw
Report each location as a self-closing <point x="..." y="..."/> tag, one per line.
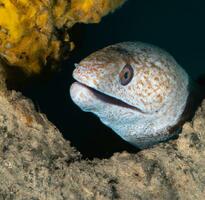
<point x="86" y="95"/>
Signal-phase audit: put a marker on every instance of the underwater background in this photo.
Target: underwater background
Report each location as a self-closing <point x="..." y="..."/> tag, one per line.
<point x="176" y="26"/>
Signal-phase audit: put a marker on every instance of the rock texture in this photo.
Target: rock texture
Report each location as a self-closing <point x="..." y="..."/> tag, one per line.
<point x="37" y="163"/>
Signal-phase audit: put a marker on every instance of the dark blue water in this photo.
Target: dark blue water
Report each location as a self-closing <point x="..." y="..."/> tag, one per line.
<point x="176" y="26"/>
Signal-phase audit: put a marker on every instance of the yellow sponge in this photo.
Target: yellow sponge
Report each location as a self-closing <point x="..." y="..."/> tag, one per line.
<point x="28" y="36"/>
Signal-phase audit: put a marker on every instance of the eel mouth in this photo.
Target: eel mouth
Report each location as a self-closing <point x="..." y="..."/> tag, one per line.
<point x="109" y="99"/>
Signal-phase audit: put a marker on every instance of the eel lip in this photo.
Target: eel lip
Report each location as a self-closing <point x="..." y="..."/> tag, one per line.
<point x="109" y="99"/>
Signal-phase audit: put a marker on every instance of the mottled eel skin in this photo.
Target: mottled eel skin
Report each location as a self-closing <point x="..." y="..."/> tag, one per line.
<point x="136" y="89"/>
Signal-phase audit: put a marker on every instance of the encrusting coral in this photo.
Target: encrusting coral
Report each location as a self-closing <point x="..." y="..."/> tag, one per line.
<point x="29" y="29"/>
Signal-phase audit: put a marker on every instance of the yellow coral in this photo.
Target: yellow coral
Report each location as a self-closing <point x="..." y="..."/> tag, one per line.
<point x="89" y="11"/>
<point x="28" y="35"/>
<point x="25" y="33"/>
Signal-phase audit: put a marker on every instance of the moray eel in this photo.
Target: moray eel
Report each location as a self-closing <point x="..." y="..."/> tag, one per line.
<point x="136" y="89"/>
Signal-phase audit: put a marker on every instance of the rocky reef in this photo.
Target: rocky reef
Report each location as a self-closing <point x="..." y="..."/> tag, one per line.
<point x="29" y="30"/>
<point x="36" y="162"/>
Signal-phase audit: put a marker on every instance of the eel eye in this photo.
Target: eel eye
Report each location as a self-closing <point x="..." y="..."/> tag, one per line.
<point x="126" y="74"/>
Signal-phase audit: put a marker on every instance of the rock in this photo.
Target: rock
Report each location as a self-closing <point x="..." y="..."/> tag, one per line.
<point x="37" y="163"/>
